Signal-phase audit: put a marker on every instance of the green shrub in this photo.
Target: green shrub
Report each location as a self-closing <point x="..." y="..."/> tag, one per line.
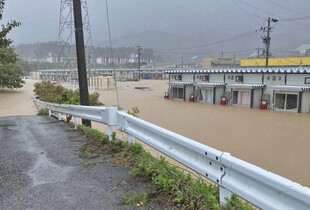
<point x="43" y="112"/>
<point x="50" y="92"/>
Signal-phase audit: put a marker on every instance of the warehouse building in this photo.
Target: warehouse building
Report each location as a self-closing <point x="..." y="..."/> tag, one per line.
<point x="279" y="89"/>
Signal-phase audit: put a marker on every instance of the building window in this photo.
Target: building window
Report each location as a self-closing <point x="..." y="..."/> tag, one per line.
<point x="307" y="80"/>
<point x="178" y="77"/>
<point x="279" y="78"/>
<point x="286" y="101"/>
<point x="232" y="77"/>
<point x="199" y="77"/>
<point x="228" y="77"/>
<point x="205" y="78"/>
<point x="268" y="77"/>
<point x="238" y="78"/>
<point x="178" y="93"/>
<point x="273" y="78"/>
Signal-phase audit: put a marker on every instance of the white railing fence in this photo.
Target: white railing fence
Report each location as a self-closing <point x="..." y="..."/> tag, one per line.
<point x="263" y="189"/>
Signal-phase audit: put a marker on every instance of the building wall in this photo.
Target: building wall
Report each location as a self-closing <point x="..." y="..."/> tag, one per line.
<point x="229" y="80"/>
<point x="257" y="97"/>
<point x="187" y="77"/>
<point x="252" y="78"/>
<point x="305" y="103"/>
<point x="279" y="79"/>
<point x="219" y="91"/>
<point x="189" y="89"/>
<point x="296" y="79"/>
<point x="216" y="78"/>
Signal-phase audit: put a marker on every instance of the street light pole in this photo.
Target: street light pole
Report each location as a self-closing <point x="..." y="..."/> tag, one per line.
<point x="80" y="54"/>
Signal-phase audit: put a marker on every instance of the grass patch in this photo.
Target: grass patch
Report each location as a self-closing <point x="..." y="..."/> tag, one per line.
<point x="5" y="127"/>
<point x="43" y="112"/>
<point x="85" y="152"/>
<point x="92" y="163"/>
<point x="181" y="189"/>
<point x="136" y="199"/>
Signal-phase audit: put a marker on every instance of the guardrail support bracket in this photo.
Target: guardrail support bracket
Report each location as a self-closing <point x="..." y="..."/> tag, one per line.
<point x="131" y="139"/>
<point x="59" y="116"/>
<point x="49" y="113"/>
<point x="224" y="195"/>
<point x="76" y="122"/>
<point x="111" y="130"/>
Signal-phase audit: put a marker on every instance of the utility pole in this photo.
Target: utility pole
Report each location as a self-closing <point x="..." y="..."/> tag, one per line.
<point x="139" y="55"/>
<point x="80" y="54"/>
<point x="182" y="62"/>
<point x="258" y="52"/>
<point x="266" y="39"/>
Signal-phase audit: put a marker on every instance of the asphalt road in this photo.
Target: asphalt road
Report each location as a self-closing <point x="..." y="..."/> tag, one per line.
<point x="40" y="169"/>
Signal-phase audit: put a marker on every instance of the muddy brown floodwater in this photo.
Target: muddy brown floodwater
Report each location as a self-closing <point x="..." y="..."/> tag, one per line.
<point x="277" y="142"/>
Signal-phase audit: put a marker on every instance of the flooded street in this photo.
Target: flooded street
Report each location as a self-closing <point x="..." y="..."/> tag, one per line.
<point x="278" y="142"/>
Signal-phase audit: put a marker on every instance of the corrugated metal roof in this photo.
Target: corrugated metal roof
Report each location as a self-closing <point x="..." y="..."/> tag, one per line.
<point x="180" y="83"/>
<point x="303" y="47"/>
<point x="245" y="86"/>
<point x="209" y="84"/>
<point x="300" y="70"/>
<point x="290" y="88"/>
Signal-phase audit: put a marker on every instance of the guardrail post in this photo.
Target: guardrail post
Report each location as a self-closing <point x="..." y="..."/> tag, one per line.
<point x="224" y="195"/>
<point x="49" y="113"/>
<point x="131" y="139"/>
<point x="111" y="130"/>
<point x="76" y="122"/>
<point x="59" y="116"/>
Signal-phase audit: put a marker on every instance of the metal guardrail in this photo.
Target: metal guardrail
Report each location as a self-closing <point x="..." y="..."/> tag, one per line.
<point x="263" y="189"/>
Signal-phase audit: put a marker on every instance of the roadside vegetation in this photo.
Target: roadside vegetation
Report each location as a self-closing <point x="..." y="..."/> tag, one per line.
<point x="43" y="112"/>
<point x="10" y="73"/>
<point x="183" y="190"/>
<point x="50" y="92"/>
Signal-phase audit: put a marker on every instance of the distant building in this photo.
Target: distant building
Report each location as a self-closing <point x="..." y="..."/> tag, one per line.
<point x="220" y="62"/>
<point x="303" y="50"/>
<point x="299" y="61"/>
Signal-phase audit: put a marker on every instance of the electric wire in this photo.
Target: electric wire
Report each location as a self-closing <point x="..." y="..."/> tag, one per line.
<point x="259" y="9"/>
<point x="283" y="7"/>
<point x="111" y="49"/>
<point x="211" y="43"/>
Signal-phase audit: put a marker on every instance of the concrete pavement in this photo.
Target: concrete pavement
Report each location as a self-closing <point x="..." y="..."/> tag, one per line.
<point x="40" y="169"/>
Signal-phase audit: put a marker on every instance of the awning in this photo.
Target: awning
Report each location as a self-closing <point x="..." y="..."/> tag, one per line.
<point x="180" y="83"/>
<point x="210" y="84"/>
<point x="290" y="88"/>
<point x="246" y="86"/>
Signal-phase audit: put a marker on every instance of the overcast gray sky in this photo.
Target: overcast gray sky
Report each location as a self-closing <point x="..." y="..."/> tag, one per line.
<point x="192" y="18"/>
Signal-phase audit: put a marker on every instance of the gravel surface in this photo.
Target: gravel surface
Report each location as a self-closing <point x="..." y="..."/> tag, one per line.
<point x="40" y="169"/>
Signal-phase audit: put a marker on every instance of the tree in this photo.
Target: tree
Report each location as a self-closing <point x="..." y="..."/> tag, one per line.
<point x="10" y="73"/>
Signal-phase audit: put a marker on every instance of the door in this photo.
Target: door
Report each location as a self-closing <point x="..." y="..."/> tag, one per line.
<point x="242" y="98"/>
<point x="206" y="95"/>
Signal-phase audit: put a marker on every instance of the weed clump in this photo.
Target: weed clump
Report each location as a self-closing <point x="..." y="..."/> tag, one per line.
<point x="43" y="112"/>
<point x="181" y="188"/>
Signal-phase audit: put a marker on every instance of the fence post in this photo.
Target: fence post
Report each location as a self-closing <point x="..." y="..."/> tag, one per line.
<point x="76" y="122"/>
<point x="49" y="113"/>
<point x="224" y="194"/>
<point x="59" y="116"/>
<point x="111" y="130"/>
<point x="130" y="139"/>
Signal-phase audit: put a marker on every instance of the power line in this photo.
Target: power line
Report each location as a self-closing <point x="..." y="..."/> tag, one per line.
<point x="250" y="15"/>
<point x="111" y="49"/>
<point x="295" y="18"/>
<point x="212" y="43"/>
<point x="283" y="7"/>
<point x="259" y="9"/>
